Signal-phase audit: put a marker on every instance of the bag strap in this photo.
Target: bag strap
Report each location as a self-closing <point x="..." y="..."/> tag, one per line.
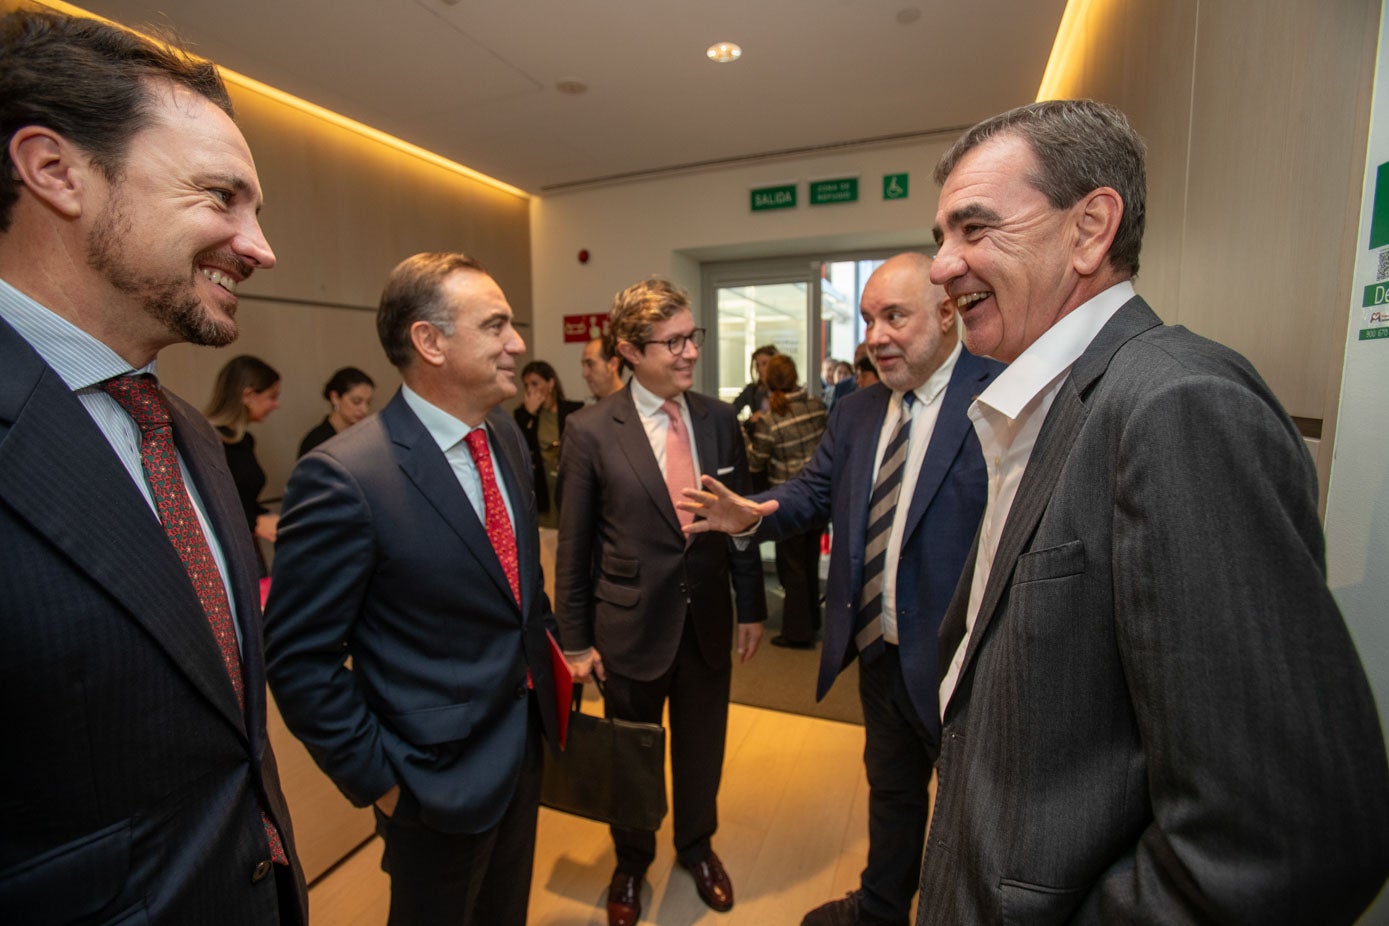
<point x="576" y="700"/>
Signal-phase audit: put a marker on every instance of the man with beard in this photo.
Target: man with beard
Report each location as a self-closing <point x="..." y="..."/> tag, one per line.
<point x="900" y="474"/>
<point x="132" y="671"/>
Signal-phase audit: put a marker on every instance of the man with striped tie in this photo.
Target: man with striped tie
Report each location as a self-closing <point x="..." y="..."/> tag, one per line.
<point x="900" y="476"/>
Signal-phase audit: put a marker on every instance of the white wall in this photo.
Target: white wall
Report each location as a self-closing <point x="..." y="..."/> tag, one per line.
<point x="668" y="226"/>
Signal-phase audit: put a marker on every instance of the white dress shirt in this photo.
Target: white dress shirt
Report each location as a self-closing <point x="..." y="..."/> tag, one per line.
<point x="924" y="411"/>
<point x="1007" y="418"/>
<point x="449" y="433"/>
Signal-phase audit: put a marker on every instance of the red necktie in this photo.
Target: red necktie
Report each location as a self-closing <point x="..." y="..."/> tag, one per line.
<point x="498" y="524"/>
<point x="680" y="472"/>
<point x="140" y="397"/>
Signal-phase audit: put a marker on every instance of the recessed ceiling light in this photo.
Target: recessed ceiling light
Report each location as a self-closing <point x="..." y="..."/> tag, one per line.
<point x="724" y="52"/>
<point x="571" y="85"/>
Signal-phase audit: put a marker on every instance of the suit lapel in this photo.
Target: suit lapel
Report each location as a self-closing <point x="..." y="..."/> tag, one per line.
<point x="1053" y="448"/>
<point x="63" y="478"/>
<point x="863" y="444"/>
<point x="636" y="447"/>
<point x="952" y="426"/>
<point x="420" y="458"/>
<point x="206" y="465"/>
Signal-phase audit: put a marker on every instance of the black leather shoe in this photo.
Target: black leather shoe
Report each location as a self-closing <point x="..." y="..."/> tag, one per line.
<point x="780" y="640"/>
<point x="624" y="899"/>
<point x="712" y="883"/>
<point x="845" y="912"/>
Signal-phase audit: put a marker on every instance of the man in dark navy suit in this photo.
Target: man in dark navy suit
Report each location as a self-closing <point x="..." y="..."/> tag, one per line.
<point x="900" y="476"/>
<point x="409" y="544"/>
<point x="139" y="785"/>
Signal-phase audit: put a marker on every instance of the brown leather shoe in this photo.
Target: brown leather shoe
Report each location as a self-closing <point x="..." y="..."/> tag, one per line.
<point x="624" y="899"/>
<point x="712" y="883"/>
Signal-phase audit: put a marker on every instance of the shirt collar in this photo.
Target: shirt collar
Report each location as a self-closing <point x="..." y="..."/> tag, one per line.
<point x="1052" y="355"/>
<point x="443" y="427"/>
<point x="80" y="360"/>
<point x="935" y="384"/>
<point x="649" y="403"/>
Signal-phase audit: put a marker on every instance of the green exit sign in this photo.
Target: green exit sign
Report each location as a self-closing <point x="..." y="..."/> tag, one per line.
<point x="842" y="190"/>
<point x="774" y="197"/>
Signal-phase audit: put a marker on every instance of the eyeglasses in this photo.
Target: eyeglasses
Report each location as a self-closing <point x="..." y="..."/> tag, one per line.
<point x="676" y="345"/>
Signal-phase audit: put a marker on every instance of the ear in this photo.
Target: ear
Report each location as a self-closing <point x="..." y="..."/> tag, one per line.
<point x="946" y="312"/>
<point x="427" y="341"/>
<point x="51" y="168"/>
<point x="1097" y="221"/>
<point x="630" y="352"/>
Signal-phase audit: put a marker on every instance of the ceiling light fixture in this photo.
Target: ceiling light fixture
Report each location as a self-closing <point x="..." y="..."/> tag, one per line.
<point x="724" y="52"/>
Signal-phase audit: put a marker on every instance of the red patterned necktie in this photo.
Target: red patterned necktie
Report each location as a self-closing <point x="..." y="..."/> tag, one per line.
<point x="140" y="397"/>
<point x="498" y="524"/>
<point x="680" y="472"/>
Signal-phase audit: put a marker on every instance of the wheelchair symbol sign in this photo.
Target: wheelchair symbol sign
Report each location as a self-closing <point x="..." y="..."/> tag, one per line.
<point x="894" y="186"/>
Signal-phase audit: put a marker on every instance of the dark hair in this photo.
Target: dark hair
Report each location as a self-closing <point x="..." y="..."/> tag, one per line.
<point x="91" y="82"/>
<point x="546" y="372"/>
<point x="343" y="380"/>
<point x="639" y="307"/>
<point x="766" y="350"/>
<point x="412" y="295"/>
<point x="1080" y="146"/>
<point x="865" y="365"/>
<point x="225" y="409"/>
<point x="781" y="378"/>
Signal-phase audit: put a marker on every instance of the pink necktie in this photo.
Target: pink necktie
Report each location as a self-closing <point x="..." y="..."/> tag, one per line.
<point x="140" y="397"/>
<point x="680" y="472"/>
<point x="498" y="524"/>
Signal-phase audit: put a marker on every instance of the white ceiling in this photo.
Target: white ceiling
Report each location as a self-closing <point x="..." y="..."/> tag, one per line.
<point x="475" y="81"/>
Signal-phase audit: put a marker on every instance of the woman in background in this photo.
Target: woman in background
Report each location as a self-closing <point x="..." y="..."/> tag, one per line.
<point x="541" y="416"/>
<point x="246" y="391"/>
<point x="754" y="394"/>
<point x="348" y="392"/>
<point x="783" y="441"/>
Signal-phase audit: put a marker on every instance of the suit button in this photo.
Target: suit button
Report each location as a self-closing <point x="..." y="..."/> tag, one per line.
<point x="262" y="869"/>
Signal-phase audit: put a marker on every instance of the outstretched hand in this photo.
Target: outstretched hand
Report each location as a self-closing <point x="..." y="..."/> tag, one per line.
<point x="717" y="508"/>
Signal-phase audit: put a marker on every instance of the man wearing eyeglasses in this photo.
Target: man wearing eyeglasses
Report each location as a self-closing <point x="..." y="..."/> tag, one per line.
<point x="640" y="605"/>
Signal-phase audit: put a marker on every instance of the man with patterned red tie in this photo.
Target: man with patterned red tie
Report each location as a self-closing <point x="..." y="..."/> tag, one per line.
<point x="140" y="783"/>
<point x="639" y="605"/>
<point x="409" y="544"/>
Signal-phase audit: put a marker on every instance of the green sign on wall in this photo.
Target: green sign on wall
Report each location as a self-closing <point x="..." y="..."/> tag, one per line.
<point x="894" y="186"/>
<point x="774" y="197"/>
<point x="843" y="190"/>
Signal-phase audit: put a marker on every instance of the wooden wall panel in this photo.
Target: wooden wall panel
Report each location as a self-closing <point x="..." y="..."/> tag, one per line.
<point x="1276" y="138"/>
<point x="1255" y="117"/>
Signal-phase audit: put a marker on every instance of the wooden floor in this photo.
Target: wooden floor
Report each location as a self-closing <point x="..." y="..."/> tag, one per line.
<point x="793" y="833"/>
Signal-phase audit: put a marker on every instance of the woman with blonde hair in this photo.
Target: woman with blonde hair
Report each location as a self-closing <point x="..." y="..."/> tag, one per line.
<point x="246" y="391"/>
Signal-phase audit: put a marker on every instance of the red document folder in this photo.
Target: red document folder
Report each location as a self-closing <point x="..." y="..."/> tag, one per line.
<point x="564" y="686"/>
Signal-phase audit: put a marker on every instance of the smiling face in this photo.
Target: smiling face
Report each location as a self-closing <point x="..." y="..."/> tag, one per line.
<point x="478" y="359"/>
<point x="177" y="230"/>
<point x="655" y="367"/>
<point x="909" y="324"/>
<point x="1007" y="256"/>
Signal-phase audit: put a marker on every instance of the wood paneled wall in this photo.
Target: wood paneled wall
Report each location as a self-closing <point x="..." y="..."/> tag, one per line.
<point x="1256" y="117"/>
